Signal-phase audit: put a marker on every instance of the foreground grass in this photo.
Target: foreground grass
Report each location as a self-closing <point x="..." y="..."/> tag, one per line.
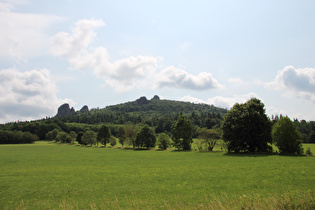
<point x="47" y="175"/>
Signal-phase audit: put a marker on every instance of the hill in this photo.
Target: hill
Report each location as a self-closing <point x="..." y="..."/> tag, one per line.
<point x="157" y="113"/>
<point x="143" y="110"/>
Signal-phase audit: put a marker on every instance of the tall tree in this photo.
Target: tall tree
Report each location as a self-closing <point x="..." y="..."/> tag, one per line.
<point x="122" y="135"/>
<point x="286" y="137"/>
<point x="146" y="137"/>
<point x="79" y="137"/>
<point x="182" y="133"/>
<point x="131" y="134"/>
<point x="247" y="128"/>
<point x="103" y="135"/>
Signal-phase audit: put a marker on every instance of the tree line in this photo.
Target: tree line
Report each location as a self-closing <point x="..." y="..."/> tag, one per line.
<point x="247" y="128"/>
<point x="140" y="136"/>
<point x="244" y="128"/>
<point x="17" y="137"/>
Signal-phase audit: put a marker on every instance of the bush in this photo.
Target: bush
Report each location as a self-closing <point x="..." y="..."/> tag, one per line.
<point x="112" y="141"/>
<point x="164" y="141"/>
<point x="308" y="152"/>
<point x="61" y="137"/>
<point x="89" y="137"/>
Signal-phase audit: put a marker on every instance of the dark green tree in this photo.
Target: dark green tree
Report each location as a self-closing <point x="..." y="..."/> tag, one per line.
<point x="51" y="135"/>
<point x="122" y="135"/>
<point x="89" y="137"/>
<point x="286" y="137"/>
<point x="71" y="137"/>
<point x="103" y="135"/>
<point x="247" y="128"/>
<point x="182" y="133"/>
<point x="61" y="137"/>
<point x="146" y="137"/>
<point x="79" y="137"/>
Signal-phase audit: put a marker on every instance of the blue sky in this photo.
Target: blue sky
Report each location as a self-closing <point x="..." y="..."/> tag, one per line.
<point x="100" y="53"/>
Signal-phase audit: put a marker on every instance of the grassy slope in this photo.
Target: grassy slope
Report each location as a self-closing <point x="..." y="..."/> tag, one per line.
<point x="50" y="175"/>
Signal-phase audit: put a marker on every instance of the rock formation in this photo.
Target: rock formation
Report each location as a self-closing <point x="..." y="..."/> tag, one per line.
<point x="65" y="110"/>
<point x="142" y="100"/>
<point x="84" y="109"/>
<point x="156" y="97"/>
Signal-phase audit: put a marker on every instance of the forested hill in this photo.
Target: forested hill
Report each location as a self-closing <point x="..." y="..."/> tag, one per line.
<point x="161" y="107"/>
<point x="142" y="110"/>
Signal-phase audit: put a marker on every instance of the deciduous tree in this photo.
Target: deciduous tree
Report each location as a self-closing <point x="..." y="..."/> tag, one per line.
<point x="210" y="137"/>
<point x="122" y="135"/>
<point x="164" y="141"/>
<point x="286" y="137"/>
<point x="247" y="128"/>
<point x="61" y="137"/>
<point x="89" y="137"/>
<point x="131" y="134"/>
<point x="146" y="137"/>
<point x="182" y="133"/>
<point x="103" y="135"/>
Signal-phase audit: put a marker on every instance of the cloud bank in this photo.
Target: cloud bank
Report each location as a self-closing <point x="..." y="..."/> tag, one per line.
<point x="220" y="101"/>
<point x="122" y="74"/>
<point x="295" y="82"/>
<point x="27" y="95"/>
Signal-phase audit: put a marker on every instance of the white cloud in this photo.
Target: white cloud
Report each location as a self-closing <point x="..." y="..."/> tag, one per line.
<point x="23" y="35"/>
<point x="177" y="78"/>
<point x="220" y="101"/>
<point x="192" y="100"/>
<point x="295" y="82"/>
<point x="74" y="44"/>
<point x="27" y="95"/>
<point x="228" y="102"/>
<point x="122" y="74"/>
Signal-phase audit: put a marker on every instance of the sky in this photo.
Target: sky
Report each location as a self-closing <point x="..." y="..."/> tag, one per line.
<point x="101" y="53"/>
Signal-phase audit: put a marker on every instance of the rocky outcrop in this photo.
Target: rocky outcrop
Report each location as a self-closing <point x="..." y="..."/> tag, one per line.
<point x="142" y="100"/>
<point x="65" y="110"/>
<point x="156" y="97"/>
<point x="84" y="109"/>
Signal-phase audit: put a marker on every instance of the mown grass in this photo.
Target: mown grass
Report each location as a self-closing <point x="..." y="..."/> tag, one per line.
<point x="47" y="175"/>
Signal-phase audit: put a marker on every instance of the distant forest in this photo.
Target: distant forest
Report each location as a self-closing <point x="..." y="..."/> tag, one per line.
<point x="158" y="114"/>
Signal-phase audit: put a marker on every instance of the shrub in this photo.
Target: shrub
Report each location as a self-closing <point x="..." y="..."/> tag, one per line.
<point x="308" y="152"/>
<point x="164" y="141"/>
<point x="112" y="141"/>
<point x="61" y="137"/>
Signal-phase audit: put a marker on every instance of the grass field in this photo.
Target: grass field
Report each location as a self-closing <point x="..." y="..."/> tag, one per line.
<point x="45" y="175"/>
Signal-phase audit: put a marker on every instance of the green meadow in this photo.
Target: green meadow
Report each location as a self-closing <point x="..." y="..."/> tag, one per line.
<point x="46" y="175"/>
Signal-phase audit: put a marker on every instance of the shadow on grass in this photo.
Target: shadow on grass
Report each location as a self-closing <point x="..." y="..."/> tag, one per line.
<point x="245" y="154"/>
